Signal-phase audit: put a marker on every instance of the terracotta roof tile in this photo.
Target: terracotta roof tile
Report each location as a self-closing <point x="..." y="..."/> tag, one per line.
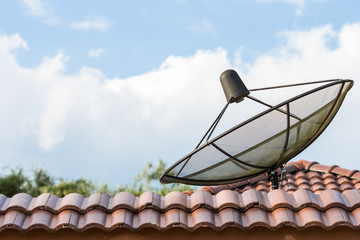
<point x="149" y="200"/>
<point x="256" y="217"/>
<point x="124" y="200"/>
<point x="311" y="217"/>
<point x="228" y="198"/>
<point x="278" y="198"/>
<point x="284" y="216"/>
<point x="176" y="200"/>
<point x="314" y="195"/>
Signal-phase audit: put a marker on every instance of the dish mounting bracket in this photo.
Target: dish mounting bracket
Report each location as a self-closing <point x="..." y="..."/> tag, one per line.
<point x="275" y="179"/>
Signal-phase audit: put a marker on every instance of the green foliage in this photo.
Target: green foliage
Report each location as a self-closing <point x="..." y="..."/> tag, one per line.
<point x="148" y="180"/>
<point x="41" y="182"/>
<point x="13" y="183"/>
<point x="106" y="189"/>
<point x="83" y="186"/>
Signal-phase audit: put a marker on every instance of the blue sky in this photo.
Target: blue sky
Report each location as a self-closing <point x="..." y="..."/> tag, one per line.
<point x="137" y="36"/>
<point x="96" y="89"/>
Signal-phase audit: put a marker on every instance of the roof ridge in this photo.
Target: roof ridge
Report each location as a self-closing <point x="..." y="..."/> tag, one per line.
<point x="300" y="165"/>
<point x="335" y="169"/>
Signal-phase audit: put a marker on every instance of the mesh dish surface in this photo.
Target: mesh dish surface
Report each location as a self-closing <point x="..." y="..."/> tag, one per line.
<point x="263" y="142"/>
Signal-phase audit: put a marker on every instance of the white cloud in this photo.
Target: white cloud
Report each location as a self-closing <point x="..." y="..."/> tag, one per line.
<point x="96" y="53"/>
<point x="299" y="12"/>
<point x="98" y="23"/>
<point x="13" y="42"/>
<point x="118" y="124"/>
<point x="35" y="8"/>
<point x="203" y="27"/>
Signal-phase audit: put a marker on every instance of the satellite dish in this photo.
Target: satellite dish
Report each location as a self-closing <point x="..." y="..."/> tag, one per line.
<point x="264" y="142"/>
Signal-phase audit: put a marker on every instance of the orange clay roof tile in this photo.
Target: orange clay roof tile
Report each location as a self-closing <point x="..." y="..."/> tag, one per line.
<point x="314" y="195"/>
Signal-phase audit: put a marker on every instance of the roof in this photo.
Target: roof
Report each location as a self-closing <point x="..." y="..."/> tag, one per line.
<point x="317" y="195"/>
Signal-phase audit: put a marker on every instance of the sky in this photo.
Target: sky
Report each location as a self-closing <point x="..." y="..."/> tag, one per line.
<point x="96" y="89"/>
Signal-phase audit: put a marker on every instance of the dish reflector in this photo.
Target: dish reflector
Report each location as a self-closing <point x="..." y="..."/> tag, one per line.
<point x="262" y="143"/>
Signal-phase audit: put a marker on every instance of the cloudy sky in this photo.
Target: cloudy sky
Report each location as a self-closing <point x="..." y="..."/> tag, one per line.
<point x="95" y="89"/>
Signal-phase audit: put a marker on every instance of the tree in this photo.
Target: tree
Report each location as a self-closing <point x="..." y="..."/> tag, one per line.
<point x="148" y="180"/>
<point x="13" y="183"/>
<point x="16" y="182"/>
<point x="41" y="182"/>
<point x="83" y="186"/>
